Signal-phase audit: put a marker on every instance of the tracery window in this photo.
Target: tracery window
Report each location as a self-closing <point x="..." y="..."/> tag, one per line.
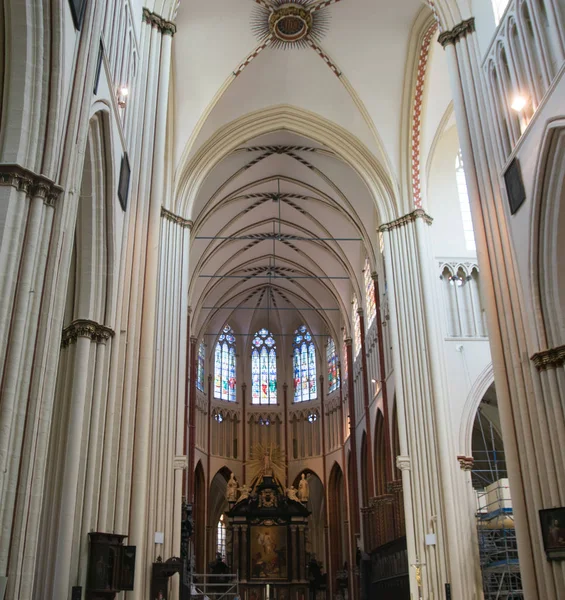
<point x="221" y="538"/>
<point x="304" y="364"/>
<point x="356" y="326"/>
<point x="200" y="368"/>
<point x="333" y="367"/>
<point x="264" y="369"/>
<point x="371" y="306"/>
<point x="224" y="366"/>
<point x="464" y="203"/>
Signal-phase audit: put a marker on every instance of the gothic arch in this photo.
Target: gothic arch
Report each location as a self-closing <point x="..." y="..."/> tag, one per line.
<point x="548" y="246"/>
<point x="199" y="517"/>
<point x="337" y="519"/>
<point x="380" y="454"/>
<point x="364" y="472"/>
<point x="347" y="147"/>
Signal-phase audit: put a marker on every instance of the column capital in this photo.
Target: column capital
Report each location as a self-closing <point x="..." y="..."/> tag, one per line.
<point x="374" y="275"/>
<point x="193" y="339"/>
<point x="155" y="20"/>
<point x="404" y="220"/>
<point x="31" y="183"/>
<point x="167" y="214"/>
<point x="348" y="341"/>
<point x="403" y="463"/>
<point x="466" y="462"/>
<point x="87" y="329"/>
<point x="180" y="463"/>
<point x="360" y="312"/>
<point x="454" y="35"/>
<point x="549" y="359"/>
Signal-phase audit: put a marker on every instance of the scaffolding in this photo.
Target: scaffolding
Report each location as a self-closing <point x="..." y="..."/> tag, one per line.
<point x="495" y="521"/>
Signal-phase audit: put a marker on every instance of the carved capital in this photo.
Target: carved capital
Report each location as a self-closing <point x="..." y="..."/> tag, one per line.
<point x="460" y="30"/>
<point x="153" y="19"/>
<point x="403" y="463"/>
<point x="406" y="219"/>
<point x="32" y="184"/>
<point x="87" y="329"/>
<point x="549" y="359"/>
<point x="348" y="341"/>
<point x="180" y="463"/>
<point x="466" y="462"/>
<point x="167" y="214"/>
<point x="381" y="500"/>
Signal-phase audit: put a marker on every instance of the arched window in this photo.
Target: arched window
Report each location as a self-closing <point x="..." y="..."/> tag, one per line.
<point x="304" y="363"/>
<point x="224" y="366"/>
<point x="371" y="307"/>
<point x="464" y="203"/>
<point x="221" y="538"/>
<point x="264" y="369"/>
<point x="333" y="367"/>
<point x="356" y="327"/>
<point x="200" y="368"/>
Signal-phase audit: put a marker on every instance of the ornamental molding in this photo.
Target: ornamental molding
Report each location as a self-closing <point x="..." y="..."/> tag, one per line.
<point x="394" y="487"/>
<point x="403" y="463"/>
<point x="87" y="329"/>
<point x="378" y="501"/>
<point x="31" y="183"/>
<point x="167" y="214"/>
<point x="460" y="30"/>
<point x="466" y="463"/>
<point x="155" y="20"/>
<point x="406" y="219"/>
<point x="549" y="359"/>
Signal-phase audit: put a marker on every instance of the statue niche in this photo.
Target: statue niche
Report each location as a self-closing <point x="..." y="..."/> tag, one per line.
<point x="269" y="531"/>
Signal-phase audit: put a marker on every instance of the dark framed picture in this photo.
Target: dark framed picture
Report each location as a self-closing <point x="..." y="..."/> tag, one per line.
<point x="514" y="186"/>
<point x="553" y="532"/>
<point x="268" y="552"/>
<point x="123" y="186"/>
<point x="98" y="67"/>
<point x="77" y="12"/>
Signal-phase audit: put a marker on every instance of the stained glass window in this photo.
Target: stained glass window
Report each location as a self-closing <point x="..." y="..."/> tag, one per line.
<point x="356" y="327"/>
<point x="369" y="295"/>
<point x="200" y="368"/>
<point x="304" y="366"/>
<point x="221" y="538"/>
<point x="224" y="366"/>
<point x="264" y="369"/>
<point x="333" y="367"/>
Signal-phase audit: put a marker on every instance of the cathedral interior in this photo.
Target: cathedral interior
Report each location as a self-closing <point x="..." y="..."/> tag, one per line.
<point x="281" y="310"/>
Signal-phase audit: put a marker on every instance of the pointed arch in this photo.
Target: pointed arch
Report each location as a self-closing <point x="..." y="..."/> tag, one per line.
<point x="224" y="366"/>
<point x="264" y="368"/>
<point x="304" y="366"/>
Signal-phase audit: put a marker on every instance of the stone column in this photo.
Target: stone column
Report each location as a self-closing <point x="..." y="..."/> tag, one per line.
<point x="244" y="554"/>
<point x="236" y="565"/>
<point x="301" y="553"/>
<point x="295" y="553"/>
<point x="532" y="424"/>
<point x="417" y="414"/>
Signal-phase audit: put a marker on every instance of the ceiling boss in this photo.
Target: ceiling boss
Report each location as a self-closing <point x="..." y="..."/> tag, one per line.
<point x="283" y="24"/>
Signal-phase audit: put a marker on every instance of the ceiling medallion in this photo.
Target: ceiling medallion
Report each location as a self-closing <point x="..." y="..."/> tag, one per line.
<point x="283" y="24"/>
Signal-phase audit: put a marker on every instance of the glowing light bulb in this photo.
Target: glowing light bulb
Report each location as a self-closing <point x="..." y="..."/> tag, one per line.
<point x="519" y="103"/>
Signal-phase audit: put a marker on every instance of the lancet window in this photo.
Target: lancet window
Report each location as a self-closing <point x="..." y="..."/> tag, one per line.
<point x="304" y="365"/>
<point x="464" y="203"/>
<point x="356" y="326"/>
<point x="264" y="369"/>
<point x="200" y="367"/>
<point x="370" y="304"/>
<point x="224" y="366"/>
<point x="333" y="367"/>
<point x="221" y="538"/>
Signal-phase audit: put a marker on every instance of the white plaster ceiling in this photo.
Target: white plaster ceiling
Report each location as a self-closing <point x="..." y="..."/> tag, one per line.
<point x="323" y="197"/>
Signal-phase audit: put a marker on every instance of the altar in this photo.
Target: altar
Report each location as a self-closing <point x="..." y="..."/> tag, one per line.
<point x="268" y="526"/>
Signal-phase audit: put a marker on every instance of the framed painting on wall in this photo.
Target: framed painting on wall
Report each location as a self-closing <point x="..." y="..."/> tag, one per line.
<point x="268" y="551"/>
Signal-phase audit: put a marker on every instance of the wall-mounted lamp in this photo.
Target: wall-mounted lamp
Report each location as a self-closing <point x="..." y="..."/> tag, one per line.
<point x="519" y="103"/>
<point x="123" y="93"/>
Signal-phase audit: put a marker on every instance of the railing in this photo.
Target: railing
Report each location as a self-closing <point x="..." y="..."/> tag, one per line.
<point x="215" y="587"/>
<point x="524" y="58"/>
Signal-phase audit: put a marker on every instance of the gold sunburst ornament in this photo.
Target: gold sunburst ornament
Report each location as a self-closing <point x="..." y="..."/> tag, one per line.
<point x="284" y="24"/>
<point x="266" y="460"/>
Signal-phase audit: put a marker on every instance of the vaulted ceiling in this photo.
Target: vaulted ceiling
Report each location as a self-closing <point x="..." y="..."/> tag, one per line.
<point x="282" y="224"/>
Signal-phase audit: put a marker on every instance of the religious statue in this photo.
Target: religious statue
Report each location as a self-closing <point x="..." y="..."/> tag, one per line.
<point x="267" y="467"/>
<point x="231" y="494"/>
<point x="245" y="491"/>
<point x="291" y="493"/>
<point x="303" y="489"/>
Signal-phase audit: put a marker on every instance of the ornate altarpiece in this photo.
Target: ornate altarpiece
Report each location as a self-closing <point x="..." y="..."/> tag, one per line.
<point x="268" y="542"/>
